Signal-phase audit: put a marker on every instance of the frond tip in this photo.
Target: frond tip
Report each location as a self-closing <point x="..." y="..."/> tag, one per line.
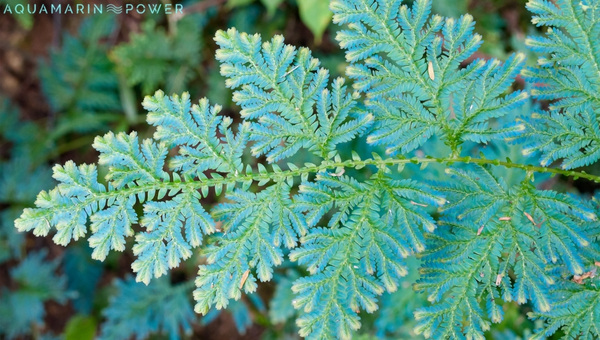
<point x="284" y="95"/>
<point x="568" y="74"/>
<point x="173" y="218"/>
<point x="408" y="65"/>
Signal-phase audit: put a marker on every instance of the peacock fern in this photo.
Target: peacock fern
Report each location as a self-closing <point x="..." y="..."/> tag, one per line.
<point x="484" y="241"/>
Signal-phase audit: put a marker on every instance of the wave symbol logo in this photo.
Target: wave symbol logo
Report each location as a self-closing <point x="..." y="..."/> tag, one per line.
<point x="115" y="9"/>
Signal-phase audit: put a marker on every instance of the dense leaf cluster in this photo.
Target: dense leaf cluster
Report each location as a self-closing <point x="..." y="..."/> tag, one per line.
<point x="484" y="240"/>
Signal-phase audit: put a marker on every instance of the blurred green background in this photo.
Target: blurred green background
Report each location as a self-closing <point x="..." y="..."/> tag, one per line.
<point x="66" y="78"/>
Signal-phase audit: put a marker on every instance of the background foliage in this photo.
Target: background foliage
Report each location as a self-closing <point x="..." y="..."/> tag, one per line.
<point x="66" y="79"/>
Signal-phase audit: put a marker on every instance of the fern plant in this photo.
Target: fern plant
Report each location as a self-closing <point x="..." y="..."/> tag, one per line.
<point x="484" y="241"/>
<point x="139" y="311"/>
<point x="19" y="160"/>
<point x="568" y="132"/>
<point x="154" y="58"/>
<point x="23" y="309"/>
<point x="568" y="75"/>
<point x="79" y="80"/>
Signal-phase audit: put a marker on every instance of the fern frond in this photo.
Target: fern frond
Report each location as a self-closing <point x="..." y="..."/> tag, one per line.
<point x="24" y="151"/>
<point x="284" y="94"/>
<point x="408" y="65"/>
<point x="395" y="319"/>
<point x="361" y="254"/>
<point x="568" y="73"/>
<point x="194" y="129"/>
<point x="487" y="232"/>
<point x="135" y="173"/>
<point x="154" y="58"/>
<point x="253" y="228"/>
<point x="483" y="239"/>
<point x="255" y="225"/>
<point x="137" y="311"/>
<point x="38" y="283"/>
<point x="575" y="312"/>
<point x="575" y="308"/>
<point x="79" y="82"/>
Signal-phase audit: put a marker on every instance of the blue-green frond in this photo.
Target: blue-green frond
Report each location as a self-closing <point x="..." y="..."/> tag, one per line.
<point x="195" y="129"/>
<point x="173" y="220"/>
<point x="255" y="226"/>
<point x="496" y="241"/>
<point x="131" y="162"/>
<point x="38" y="283"/>
<point x="485" y="233"/>
<point x="408" y="64"/>
<point x="568" y="74"/>
<point x="286" y="97"/>
<point x="79" y="78"/>
<point x="173" y="229"/>
<point x="575" y="311"/>
<point x="375" y="225"/>
<point x="138" y="311"/>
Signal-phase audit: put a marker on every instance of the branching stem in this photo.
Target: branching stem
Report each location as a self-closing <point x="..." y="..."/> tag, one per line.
<point x="282" y="175"/>
<point x="326" y="165"/>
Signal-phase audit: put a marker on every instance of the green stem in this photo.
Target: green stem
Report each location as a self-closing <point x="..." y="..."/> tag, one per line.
<point x="281" y="175"/>
<point x="451" y="160"/>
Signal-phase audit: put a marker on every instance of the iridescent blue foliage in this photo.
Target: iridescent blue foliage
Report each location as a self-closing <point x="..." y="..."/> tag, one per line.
<point x="486" y="235"/>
